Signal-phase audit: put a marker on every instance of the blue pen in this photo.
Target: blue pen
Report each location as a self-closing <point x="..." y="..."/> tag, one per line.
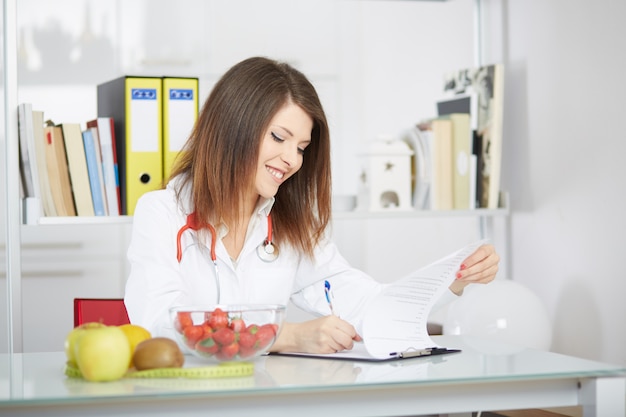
<point x="329" y="296"/>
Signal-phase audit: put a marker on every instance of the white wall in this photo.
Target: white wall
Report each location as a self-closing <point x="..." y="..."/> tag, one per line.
<point x="379" y="72"/>
<point x="563" y="165"/>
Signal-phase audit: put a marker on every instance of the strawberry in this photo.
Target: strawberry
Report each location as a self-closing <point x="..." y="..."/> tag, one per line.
<point x="207" y="346"/>
<point x="183" y="320"/>
<point x="246" y="339"/>
<point x="246" y="352"/>
<point x="218" y="319"/>
<point x="193" y="334"/>
<point x="224" y="336"/>
<point x="265" y="335"/>
<point x="228" y="352"/>
<point x="208" y="330"/>
<point x="237" y="324"/>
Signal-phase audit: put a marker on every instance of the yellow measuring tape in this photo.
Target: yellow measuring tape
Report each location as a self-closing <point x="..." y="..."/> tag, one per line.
<point x="223" y="370"/>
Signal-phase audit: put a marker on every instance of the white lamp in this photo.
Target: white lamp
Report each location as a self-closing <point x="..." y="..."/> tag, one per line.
<point x="502" y="310"/>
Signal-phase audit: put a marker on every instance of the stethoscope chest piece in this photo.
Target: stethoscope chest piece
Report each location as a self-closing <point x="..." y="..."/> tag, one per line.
<point x="267" y="251"/>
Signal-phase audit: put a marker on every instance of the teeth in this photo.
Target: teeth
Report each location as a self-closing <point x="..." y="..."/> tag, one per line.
<point x="275" y="173"/>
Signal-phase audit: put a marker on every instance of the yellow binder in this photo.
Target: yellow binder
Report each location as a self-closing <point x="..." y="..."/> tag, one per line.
<point x="135" y="105"/>
<point x="180" y="111"/>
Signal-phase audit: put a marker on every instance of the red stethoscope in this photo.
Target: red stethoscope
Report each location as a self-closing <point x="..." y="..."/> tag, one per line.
<point x="267" y="250"/>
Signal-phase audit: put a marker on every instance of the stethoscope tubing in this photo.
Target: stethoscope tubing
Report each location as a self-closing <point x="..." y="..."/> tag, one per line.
<point x="267" y="251"/>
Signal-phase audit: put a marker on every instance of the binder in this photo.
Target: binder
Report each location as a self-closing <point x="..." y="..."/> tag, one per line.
<point x="135" y="104"/>
<point x="180" y="111"/>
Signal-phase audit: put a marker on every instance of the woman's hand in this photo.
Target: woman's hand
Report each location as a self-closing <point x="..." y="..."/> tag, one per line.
<point x="478" y="268"/>
<point x="327" y="334"/>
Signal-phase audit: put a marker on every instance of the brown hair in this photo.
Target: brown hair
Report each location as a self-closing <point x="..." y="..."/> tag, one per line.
<point x="220" y="157"/>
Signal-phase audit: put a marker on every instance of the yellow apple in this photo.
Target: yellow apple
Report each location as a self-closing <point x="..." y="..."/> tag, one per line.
<point x="72" y="336"/>
<point x="102" y="353"/>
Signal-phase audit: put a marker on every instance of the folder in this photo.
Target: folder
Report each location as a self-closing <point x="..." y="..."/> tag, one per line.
<point x="135" y="103"/>
<point x="180" y="111"/>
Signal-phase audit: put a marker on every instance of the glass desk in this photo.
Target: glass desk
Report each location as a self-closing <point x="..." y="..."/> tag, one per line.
<point x="484" y="376"/>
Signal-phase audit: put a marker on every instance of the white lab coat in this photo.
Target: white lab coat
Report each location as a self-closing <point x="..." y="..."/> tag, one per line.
<point x="158" y="282"/>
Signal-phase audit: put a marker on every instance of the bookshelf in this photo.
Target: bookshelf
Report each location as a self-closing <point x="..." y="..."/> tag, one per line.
<point x="322" y="75"/>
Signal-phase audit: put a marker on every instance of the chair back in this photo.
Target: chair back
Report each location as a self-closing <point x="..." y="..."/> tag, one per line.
<point x="110" y="311"/>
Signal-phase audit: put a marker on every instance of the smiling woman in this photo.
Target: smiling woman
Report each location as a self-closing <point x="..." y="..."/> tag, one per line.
<point x="261" y="144"/>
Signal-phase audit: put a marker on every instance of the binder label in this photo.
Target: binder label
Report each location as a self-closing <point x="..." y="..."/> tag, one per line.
<point x="144" y="94"/>
<point x="144" y="122"/>
<point x="181" y="94"/>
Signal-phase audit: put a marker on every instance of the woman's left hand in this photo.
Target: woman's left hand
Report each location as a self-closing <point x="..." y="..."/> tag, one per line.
<point x="478" y="268"/>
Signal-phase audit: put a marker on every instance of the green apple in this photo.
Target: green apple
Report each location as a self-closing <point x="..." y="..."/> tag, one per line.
<point x="102" y="353"/>
<point x="72" y="336"/>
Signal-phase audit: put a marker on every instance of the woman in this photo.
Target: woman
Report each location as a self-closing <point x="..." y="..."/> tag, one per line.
<point x="260" y="145"/>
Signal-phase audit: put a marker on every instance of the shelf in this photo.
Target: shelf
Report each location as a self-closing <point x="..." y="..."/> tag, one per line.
<point x="411" y="214"/>
<point x="359" y="214"/>
<point x="337" y="215"/>
<point x="81" y="220"/>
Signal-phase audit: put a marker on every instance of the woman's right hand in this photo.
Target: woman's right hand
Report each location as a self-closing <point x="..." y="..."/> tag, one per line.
<point x="327" y="334"/>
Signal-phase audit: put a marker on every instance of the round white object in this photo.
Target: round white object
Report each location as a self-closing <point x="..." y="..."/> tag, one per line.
<point x="502" y="310"/>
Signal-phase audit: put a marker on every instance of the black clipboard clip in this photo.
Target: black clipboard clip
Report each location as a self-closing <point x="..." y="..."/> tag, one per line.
<point x="415" y="353"/>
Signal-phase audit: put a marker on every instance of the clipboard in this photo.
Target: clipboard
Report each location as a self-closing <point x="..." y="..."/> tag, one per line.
<point x="359" y="353"/>
<point x="432" y="351"/>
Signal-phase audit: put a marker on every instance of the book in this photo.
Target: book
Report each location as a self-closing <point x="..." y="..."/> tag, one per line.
<point x="461" y="103"/>
<point x="395" y="322"/>
<point x="28" y="167"/>
<point x="29" y="170"/>
<point x="420" y="140"/>
<point x="461" y="150"/>
<point x="94" y="170"/>
<point x="77" y="165"/>
<point x="42" y="168"/>
<point x="58" y="172"/>
<point x="487" y="83"/>
<point x="466" y="103"/>
<point x="106" y="136"/>
<point x="442" y="181"/>
<point x="135" y="103"/>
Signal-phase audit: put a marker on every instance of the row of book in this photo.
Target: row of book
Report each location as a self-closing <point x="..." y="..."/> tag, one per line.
<point x="102" y="166"/>
<point x="457" y="154"/>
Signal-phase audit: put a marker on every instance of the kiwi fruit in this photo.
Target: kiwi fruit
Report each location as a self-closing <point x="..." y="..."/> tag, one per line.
<point x="158" y="352"/>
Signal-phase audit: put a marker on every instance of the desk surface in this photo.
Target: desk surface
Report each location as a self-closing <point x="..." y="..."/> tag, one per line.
<point x="37" y="379"/>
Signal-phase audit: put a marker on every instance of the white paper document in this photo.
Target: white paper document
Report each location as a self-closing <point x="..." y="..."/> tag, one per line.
<point x="395" y="324"/>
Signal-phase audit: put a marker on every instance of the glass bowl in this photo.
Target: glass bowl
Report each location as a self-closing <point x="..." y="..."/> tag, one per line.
<point x="226" y="333"/>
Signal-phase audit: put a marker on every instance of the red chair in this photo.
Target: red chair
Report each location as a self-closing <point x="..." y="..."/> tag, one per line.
<point x="110" y="311"/>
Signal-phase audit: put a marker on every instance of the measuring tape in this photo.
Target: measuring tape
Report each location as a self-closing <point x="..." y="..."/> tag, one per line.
<point x="223" y="370"/>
